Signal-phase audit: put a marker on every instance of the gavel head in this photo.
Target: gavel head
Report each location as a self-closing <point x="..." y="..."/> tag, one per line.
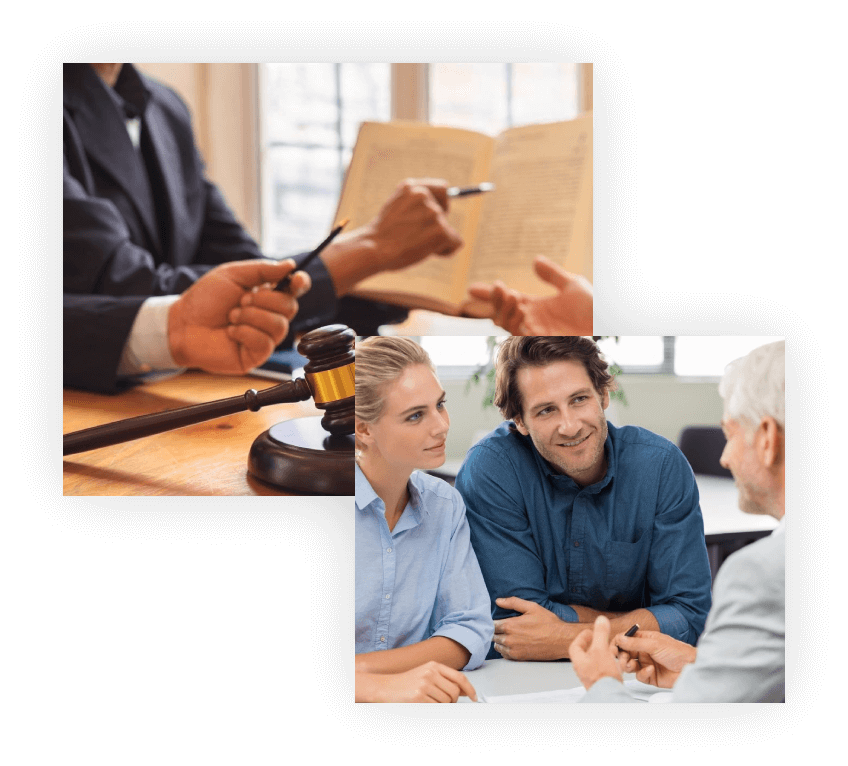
<point x="330" y="375"/>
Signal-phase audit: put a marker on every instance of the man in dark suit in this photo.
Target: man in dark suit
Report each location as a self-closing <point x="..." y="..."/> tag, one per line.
<point x="142" y="223"/>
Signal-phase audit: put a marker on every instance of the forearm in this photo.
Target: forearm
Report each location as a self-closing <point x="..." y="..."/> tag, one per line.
<point x="350" y="259"/>
<point x="367" y="686"/>
<point x="441" y="649"/>
<point x="619" y="621"/>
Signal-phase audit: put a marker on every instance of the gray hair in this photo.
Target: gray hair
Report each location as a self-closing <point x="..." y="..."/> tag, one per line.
<point x="754" y="386"/>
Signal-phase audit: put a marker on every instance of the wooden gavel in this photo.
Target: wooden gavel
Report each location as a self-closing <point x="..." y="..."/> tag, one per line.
<point x="329" y="381"/>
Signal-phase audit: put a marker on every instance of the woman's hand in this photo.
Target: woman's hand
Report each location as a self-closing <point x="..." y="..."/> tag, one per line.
<point x="431" y="682"/>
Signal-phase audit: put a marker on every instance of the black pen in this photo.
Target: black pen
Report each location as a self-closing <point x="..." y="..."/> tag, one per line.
<point x="465" y="191"/>
<point x="631" y="631"/>
<point x="284" y="283"/>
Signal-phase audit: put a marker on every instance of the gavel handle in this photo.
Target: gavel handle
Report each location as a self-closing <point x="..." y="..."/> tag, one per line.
<point x="147" y="425"/>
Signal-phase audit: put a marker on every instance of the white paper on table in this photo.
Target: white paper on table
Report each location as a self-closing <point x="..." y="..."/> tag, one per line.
<point x="638" y="690"/>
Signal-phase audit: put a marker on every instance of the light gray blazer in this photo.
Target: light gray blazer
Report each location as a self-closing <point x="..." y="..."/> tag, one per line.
<point x="741" y="653"/>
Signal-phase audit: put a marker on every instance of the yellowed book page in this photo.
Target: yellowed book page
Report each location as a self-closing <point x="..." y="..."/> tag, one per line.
<point x="386" y="154"/>
<point x="580" y="256"/>
<point x="541" y="206"/>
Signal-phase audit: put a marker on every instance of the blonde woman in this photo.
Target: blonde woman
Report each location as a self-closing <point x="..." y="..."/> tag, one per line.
<point x="420" y="596"/>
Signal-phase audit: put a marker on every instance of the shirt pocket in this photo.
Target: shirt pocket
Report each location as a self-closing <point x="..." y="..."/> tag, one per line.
<point x="627" y="566"/>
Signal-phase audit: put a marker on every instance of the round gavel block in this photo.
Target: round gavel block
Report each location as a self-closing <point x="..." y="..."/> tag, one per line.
<point x="300" y="456"/>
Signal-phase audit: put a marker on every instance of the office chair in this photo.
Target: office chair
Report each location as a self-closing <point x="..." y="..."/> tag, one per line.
<point x="702" y="446"/>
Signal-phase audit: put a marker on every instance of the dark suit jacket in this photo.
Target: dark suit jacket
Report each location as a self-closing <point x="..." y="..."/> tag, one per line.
<point x="115" y="254"/>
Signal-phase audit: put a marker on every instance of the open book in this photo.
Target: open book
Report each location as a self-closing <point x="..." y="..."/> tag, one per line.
<point x="541" y="205"/>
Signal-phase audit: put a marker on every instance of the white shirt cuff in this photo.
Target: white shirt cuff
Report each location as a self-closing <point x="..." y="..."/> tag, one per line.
<point x="146" y="349"/>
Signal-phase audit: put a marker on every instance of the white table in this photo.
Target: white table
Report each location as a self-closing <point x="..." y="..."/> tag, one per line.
<point x="504" y="677"/>
<point x="720" y="508"/>
<point x="726" y="528"/>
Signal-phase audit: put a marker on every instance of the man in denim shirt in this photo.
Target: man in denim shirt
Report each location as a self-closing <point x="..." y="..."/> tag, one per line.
<point x="572" y="517"/>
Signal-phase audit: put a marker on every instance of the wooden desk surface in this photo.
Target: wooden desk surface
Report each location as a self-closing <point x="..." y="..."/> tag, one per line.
<point x="205" y="459"/>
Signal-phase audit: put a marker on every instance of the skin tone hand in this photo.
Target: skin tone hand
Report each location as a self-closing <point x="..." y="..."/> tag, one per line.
<point x="431" y="682"/>
<point x="413" y="223"/>
<point x="567" y="313"/>
<point x="536" y="634"/>
<point x="655" y="658"/>
<point x="593" y="656"/>
<point x="230" y="320"/>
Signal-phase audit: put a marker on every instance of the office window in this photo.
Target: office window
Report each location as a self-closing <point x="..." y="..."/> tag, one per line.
<point x="309" y="118"/>
<point x="640" y="353"/>
<point x="696" y="356"/>
<point x="310" y="115"/>
<point x="457" y="356"/>
<point x="707" y="356"/>
<point x="492" y="97"/>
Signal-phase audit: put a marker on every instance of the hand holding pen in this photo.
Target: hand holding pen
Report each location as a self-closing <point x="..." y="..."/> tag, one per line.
<point x="655" y="657"/>
<point x="411" y="225"/>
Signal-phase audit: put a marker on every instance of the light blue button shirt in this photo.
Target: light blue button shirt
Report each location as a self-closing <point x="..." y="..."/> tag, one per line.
<point x="422" y="578"/>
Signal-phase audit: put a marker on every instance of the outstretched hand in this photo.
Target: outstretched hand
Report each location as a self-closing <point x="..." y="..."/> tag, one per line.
<point x="567" y="313"/>
<point x="592" y="655"/>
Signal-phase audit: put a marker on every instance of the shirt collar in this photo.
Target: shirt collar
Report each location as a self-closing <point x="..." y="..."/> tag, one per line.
<point x="416" y="498"/>
<point x="129" y="94"/>
<point x="366" y="496"/>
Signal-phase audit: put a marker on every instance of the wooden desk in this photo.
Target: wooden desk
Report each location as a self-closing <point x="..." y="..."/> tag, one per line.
<point x="205" y="459"/>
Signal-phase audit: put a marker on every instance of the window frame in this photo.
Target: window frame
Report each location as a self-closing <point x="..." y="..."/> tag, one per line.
<point x="410" y="97"/>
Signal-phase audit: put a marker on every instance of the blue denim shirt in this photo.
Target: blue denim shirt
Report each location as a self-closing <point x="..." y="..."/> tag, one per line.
<point x="421" y="579"/>
<point x="634" y="539"/>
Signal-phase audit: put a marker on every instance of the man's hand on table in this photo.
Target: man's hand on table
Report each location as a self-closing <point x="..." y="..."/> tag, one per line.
<point x="654" y="657"/>
<point x="536" y="634"/>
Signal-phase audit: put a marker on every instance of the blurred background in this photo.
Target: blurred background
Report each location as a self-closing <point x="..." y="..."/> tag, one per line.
<point x="277" y="137"/>
<point x="666" y="383"/>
